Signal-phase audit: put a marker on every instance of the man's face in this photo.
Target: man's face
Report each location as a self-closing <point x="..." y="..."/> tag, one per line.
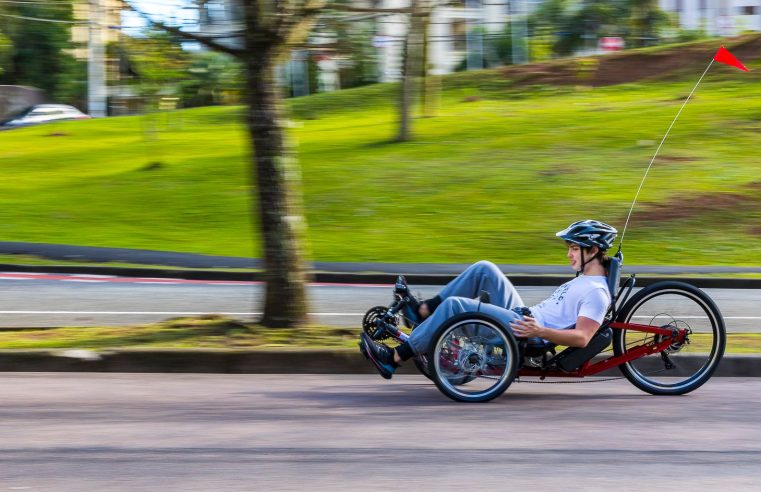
<point x="575" y="252"/>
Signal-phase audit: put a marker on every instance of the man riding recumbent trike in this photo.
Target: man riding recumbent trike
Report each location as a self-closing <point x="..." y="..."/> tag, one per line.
<point x="476" y="336"/>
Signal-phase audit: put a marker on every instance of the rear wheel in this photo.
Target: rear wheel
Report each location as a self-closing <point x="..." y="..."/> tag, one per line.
<point x="684" y="366"/>
<point x="476" y="349"/>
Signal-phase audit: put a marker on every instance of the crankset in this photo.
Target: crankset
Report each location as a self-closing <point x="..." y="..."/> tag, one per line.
<point x="374" y="323"/>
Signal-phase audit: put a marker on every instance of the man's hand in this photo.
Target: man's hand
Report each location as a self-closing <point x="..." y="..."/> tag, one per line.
<point x="526" y="327"/>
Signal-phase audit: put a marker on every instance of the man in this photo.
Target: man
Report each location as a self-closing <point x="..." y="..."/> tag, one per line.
<point x="580" y="304"/>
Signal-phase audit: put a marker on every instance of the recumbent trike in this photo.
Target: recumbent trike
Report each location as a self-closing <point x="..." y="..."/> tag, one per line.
<point x="667" y="339"/>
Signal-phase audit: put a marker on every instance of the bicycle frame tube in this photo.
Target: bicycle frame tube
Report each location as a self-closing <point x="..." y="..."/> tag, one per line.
<point x="589" y="368"/>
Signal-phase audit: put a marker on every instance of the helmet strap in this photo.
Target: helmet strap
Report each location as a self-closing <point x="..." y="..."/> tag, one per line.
<point x="584" y="261"/>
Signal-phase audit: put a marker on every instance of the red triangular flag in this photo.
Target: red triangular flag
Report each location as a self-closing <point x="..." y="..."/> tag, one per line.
<point x="724" y="56"/>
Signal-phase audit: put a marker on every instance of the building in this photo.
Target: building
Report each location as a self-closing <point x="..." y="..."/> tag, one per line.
<point x="716" y="17"/>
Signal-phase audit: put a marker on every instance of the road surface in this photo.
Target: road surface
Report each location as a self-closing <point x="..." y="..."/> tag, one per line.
<point x="127" y="432"/>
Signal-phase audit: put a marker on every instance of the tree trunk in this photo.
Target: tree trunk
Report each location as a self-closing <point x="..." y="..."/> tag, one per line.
<point x="430" y="85"/>
<point x="276" y="190"/>
<point x="407" y="89"/>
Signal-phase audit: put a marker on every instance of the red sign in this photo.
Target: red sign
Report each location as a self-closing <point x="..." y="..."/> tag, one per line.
<point x="611" y="43"/>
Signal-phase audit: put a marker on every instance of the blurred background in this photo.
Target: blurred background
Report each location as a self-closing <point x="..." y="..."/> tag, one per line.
<point x="425" y="130"/>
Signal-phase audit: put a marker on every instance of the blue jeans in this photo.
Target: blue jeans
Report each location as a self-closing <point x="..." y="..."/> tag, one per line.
<point x="461" y="296"/>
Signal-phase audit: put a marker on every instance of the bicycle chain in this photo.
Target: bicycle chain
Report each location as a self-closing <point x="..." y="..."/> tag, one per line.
<point x="518" y="380"/>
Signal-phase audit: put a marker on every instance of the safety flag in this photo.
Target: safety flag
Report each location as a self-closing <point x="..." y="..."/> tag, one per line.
<point x="724" y="56"/>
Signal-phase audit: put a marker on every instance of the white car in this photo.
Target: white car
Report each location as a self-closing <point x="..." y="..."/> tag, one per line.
<point x="44" y="113"/>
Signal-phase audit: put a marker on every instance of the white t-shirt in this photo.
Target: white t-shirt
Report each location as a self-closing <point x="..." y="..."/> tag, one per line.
<point x="586" y="296"/>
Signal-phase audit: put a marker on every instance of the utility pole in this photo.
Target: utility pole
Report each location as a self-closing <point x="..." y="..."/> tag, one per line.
<point x="474" y="40"/>
<point x="96" y="68"/>
<point x="518" y="31"/>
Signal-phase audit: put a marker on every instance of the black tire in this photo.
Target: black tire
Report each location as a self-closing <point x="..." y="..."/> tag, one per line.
<point x="421" y="362"/>
<point x="473" y="348"/>
<point x="675" y="304"/>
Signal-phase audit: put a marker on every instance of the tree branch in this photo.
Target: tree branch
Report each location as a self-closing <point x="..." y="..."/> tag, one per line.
<point x="366" y="10"/>
<point x="204" y="40"/>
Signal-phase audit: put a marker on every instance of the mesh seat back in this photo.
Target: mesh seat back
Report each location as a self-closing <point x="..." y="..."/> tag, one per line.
<point x="614" y="276"/>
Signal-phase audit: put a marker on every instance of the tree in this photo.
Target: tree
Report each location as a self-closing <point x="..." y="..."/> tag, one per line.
<point x="214" y="78"/>
<point x="575" y="26"/>
<point x="645" y="21"/>
<point x="38" y="54"/>
<point x="6" y="52"/>
<point x="159" y="62"/>
<point x="410" y="65"/>
<point x="270" y="28"/>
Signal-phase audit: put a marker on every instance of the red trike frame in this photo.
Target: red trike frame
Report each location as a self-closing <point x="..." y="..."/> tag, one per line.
<point x="591" y="368"/>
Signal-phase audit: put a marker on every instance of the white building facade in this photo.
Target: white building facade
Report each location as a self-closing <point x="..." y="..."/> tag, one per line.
<point x="716" y="17"/>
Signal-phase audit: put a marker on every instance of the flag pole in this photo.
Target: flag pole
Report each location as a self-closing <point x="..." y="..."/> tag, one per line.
<point x="631" y="209"/>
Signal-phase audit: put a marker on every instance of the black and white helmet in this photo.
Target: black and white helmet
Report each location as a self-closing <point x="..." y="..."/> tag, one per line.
<point x="588" y="233"/>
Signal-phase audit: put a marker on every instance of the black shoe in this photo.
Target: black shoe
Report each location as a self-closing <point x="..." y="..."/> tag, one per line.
<point x="379" y="354"/>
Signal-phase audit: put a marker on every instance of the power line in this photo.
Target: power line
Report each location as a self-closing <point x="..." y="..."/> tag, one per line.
<point x="65" y="3"/>
<point x="39" y="19"/>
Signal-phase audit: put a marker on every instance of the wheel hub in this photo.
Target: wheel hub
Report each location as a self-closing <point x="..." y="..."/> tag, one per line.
<point x="677" y="344"/>
<point x="471" y="360"/>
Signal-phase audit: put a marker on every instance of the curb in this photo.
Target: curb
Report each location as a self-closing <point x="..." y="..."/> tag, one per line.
<point x="362" y="278"/>
<point x="248" y="362"/>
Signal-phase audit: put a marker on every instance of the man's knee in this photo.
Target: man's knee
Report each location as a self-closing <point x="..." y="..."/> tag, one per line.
<point x="486" y="267"/>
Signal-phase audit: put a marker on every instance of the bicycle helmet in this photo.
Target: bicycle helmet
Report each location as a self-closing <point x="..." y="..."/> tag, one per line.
<point x="588" y="233"/>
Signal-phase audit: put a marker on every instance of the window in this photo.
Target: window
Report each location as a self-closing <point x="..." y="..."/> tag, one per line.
<point x="749" y="10"/>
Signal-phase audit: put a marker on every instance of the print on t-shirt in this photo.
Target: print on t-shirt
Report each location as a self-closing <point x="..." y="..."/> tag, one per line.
<point x="559" y="293"/>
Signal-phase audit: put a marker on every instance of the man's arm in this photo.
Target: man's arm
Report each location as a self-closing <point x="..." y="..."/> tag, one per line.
<point x="579" y="337"/>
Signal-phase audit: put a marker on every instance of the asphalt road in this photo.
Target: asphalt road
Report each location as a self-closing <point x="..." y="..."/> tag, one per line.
<point x="110" y="432"/>
<point x="56" y="300"/>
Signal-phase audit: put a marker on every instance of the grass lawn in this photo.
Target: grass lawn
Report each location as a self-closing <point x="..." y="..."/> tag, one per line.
<point x="492" y="176"/>
<point x="216" y="332"/>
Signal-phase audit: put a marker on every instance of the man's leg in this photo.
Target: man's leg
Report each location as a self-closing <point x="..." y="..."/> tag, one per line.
<point x="421" y="336"/>
<point x="386" y="360"/>
<point x="480" y="276"/>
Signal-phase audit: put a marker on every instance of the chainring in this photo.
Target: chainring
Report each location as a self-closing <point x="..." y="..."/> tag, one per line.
<point x="370" y="322"/>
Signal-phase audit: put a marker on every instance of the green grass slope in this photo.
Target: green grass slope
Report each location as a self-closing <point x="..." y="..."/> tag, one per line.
<point x="500" y="168"/>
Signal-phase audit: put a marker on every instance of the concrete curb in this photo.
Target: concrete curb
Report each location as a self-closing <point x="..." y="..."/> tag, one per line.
<point x="346" y="361"/>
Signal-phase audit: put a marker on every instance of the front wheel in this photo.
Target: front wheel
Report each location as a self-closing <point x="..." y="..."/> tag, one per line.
<point x="684" y="366"/>
<point x="476" y="349"/>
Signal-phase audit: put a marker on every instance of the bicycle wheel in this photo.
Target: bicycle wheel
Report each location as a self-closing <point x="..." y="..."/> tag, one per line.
<point x="422" y="365"/>
<point x="682" y="367"/>
<point x="476" y="349"/>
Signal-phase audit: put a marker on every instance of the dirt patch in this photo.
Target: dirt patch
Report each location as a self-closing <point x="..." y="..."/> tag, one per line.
<point x="630" y="66"/>
<point x="754" y="186"/>
<point x="557" y="170"/>
<point x="675" y="158"/>
<point x="695" y="206"/>
<point x="755" y="231"/>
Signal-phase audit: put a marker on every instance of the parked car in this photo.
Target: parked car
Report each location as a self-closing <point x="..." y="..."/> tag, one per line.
<point x="43" y="113"/>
